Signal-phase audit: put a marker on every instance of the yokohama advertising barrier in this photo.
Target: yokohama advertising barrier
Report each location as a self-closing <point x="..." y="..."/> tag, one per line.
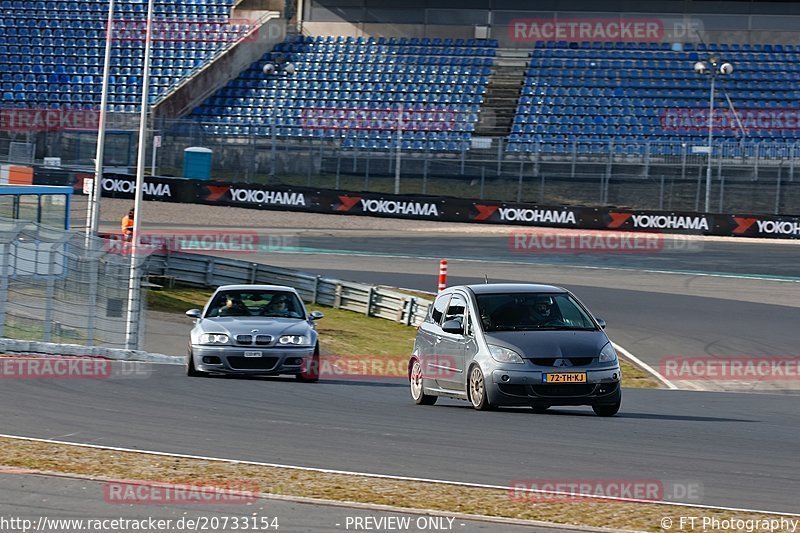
<point x="278" y="197"/>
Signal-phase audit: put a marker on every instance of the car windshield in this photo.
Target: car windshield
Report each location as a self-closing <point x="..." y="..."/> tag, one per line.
<point x="530" y="311"/>
<point x="264" y="303"/>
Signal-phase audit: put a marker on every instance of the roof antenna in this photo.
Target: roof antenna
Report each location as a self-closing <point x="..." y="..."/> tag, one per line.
<point x="486" y="279"/>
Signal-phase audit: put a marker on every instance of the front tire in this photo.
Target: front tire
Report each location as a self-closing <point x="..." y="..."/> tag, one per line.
<point x="476" y="390"/>
<point x="417" y="389"/>
<point x="309" y="373"/>
<point x="191" y="371"/>
<point x="606" y="409"/>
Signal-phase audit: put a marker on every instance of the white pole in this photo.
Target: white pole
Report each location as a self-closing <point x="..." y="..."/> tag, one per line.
<point x="399" y="145"/>
<point x="93" y="205"/>
<point x="134" y="290"/>
<point x="156" y="142"/>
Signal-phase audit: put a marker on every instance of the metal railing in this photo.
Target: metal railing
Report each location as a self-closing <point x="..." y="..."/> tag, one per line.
<point x="370" y="300"/>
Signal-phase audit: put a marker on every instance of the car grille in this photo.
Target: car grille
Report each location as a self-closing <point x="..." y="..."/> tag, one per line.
<point x="576" y="361"/>
<point x="252" y="363"/>
<point x="260" y="340"/>
<point x="573" y="389"/>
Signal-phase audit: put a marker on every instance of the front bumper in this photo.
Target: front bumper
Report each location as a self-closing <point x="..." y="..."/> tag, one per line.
<point x="525" y="387"/>
<point x="232" y="359"/>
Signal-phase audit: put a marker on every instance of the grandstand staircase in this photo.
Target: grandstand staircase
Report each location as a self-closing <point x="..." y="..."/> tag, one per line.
<point x="268" y="29"/>
<point x="502" y="93"/>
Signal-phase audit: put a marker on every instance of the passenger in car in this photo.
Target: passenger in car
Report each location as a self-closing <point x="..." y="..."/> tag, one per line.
<point x="233" y="307"/>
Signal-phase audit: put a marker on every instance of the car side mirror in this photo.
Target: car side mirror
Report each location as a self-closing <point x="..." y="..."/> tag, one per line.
<point x="453" y="326"/>
<point x="194" y="313"/>
<point x="315" y="315"/>
<point x="601" y="323"/>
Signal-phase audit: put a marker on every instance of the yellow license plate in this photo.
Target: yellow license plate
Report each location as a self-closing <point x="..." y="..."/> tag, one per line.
<point x="570" y="377"/>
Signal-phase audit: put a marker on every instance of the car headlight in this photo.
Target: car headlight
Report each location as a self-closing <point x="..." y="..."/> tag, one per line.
<point x="213" y="338"/>
<point x="607" y="354"/>
<point x="504" y="355"/>
<point x="298" y="340"/>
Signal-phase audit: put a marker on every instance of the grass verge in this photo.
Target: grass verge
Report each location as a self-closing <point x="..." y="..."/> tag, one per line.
<point x="444" y="498"/>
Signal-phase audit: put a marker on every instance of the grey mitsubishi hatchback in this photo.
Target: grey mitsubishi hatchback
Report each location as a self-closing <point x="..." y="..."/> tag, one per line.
<point x="511" y="345"/>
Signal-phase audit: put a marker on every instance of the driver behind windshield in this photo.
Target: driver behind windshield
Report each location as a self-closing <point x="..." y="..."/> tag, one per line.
<point x="542" y="309"/>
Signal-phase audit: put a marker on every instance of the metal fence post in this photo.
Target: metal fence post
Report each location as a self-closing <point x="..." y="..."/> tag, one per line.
<point x="4" y="275"/>
<point x="409" y="318"/>
<point x="755" y="164"/>
<point x="210" y="272"/>
<point x="370" y="295"/>
<point x="574" y="157"/>
<point x="721" y="183"/>
<point x="778" y="191"/>
<point x="499" y="157"/>
<point x="483" y="180"/>
<point x="366" y="173"/>
<point x="425" y="175"/>
<point x="49" y="297"/>
<point x="683" y="161"/>
<point x="274" y="150"/>
<point x="519" y="183"/>
<point x="791" y="162"/>
<point x="316" y="290"/>
<point x="93" y="263"/>
<point x="338" y="167"/>
<point x="337" y="297"/>
<point x="309" y="162"/>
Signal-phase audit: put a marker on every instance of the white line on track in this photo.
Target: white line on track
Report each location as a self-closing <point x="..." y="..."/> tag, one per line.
<point x="387" y="476"/>
<point x="647" y="368"/>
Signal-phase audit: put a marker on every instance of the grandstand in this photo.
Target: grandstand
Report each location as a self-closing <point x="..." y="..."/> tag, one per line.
<point x="51" y="53"/>
<point x="370" y="79"/>
<point x="571" y="95"/>
<point x="353" y="89"/>
<point x="589" y="94"/>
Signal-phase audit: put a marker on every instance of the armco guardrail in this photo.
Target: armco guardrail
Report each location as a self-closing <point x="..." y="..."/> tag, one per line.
<point x="211" y="271"/>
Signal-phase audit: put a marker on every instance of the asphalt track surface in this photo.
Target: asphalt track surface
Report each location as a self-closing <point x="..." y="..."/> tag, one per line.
<point x="740" y="449"/>
<point x="30" y="497"/>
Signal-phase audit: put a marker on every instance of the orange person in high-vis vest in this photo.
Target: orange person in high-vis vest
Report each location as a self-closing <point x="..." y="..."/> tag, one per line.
<point x="127" y="226"/>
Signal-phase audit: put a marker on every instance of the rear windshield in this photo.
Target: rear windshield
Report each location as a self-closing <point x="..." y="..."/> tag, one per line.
<point x="530" y="310"/>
